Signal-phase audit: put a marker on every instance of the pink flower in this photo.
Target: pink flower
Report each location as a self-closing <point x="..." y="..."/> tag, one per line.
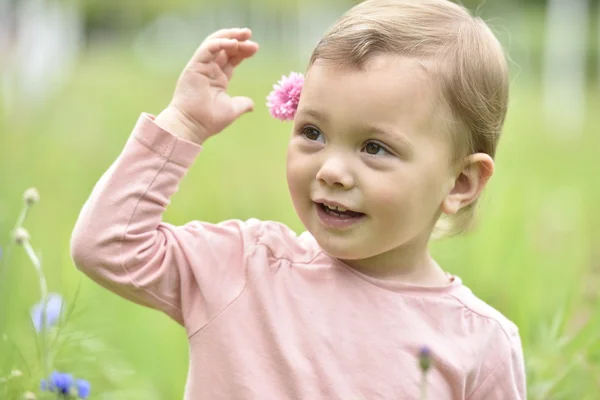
<point x="283" y="100"/>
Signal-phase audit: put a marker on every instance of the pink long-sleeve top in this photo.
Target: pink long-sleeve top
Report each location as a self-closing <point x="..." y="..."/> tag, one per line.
<point x="268" y="314"/>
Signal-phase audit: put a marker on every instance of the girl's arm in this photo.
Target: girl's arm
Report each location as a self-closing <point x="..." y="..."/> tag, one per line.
<point x="120" y="240"/>
<point x="190" y="272"/>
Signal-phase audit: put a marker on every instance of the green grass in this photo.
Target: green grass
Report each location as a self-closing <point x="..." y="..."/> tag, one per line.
<point x="533" y="256"/>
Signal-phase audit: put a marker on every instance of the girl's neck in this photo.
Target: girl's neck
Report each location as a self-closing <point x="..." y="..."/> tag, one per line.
<point x="405" y="264"/>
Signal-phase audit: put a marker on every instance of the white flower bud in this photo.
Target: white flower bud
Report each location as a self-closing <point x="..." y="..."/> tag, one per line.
<point x="21" y="236"/>
<point x="31" y="196"/>
<point x="15" y="373"/>
<point x="29" y="396"/>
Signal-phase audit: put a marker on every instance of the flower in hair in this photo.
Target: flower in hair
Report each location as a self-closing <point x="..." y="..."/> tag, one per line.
<point x="283" y="100"/>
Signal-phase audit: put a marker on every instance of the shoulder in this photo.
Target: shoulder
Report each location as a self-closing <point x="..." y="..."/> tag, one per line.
<point x="284" y="243"/>
<point x="278" y="239"/>
<point x="479" y="313"/>
<point x="500" y="367"/>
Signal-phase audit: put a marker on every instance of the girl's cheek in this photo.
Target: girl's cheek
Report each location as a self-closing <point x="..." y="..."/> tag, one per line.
<point x="301" y="158"/>
<point x="298" y="173"/>
<point x="387" y="200"/>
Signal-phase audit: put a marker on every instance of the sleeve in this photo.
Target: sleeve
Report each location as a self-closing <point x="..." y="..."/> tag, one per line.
<point x="507" y="379"/>
<point x="190" y="272"/>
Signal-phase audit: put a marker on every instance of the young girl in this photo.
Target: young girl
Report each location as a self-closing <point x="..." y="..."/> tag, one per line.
<point x="397" y="124"/>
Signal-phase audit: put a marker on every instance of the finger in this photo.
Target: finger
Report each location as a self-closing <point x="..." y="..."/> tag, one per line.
<point x="209" y="50"/>
<point x="227" y="61"/>
<point x="232" y="33"/>
<point x="242" y="105"/>
<point x="222" y="58"/>
<point x="246" y="50"/>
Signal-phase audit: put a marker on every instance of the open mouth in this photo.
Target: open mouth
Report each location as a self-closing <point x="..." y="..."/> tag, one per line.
<point x="339" y="212"/>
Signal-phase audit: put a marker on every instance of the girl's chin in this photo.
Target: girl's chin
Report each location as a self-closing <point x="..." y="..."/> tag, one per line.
<point x="341" y="252"/>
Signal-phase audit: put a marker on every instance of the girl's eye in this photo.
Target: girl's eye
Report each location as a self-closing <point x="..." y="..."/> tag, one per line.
<point x="312" y="133"/>
<point x="374" y="148"/>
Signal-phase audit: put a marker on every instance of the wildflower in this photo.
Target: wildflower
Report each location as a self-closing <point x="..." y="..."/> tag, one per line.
<point x="21" y="236"/>
<point x="52" y="309"/>
<point x="62" y="382"/>
<point x="83" y="388"/>
<point x="15" y="373"/>
<point x="65" y="386"/>
<point x="31" y="196"/>
<point x="283" y="100"/>
<point x="425" y="358"/>
<point x="424" y="364"/>
<point x="29" y="396"/>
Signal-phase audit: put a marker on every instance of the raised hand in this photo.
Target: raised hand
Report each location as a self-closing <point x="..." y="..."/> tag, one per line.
<point x="201" y="106"/>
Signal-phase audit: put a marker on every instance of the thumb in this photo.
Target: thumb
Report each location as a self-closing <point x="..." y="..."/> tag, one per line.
<point x="242" y="105"/>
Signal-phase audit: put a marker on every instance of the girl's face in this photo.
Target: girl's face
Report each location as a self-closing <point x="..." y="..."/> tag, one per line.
<point x="365" y="140"/>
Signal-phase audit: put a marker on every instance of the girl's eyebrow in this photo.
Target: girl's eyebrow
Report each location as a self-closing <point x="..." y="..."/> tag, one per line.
<point x="391" y="136"/>
<point x="314" y="113"/>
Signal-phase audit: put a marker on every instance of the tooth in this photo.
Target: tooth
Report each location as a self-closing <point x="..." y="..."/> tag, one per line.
<point x="335" y="208"/>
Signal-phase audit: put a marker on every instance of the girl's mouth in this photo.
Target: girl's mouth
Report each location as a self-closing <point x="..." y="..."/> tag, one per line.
<point x="337" y="217"/>
<point x="339" y="211"/>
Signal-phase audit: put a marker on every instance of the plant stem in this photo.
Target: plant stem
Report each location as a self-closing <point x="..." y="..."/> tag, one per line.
<point x="44" y="290"/>
<point x="423" y="386"/>
<point x="38" y="269"/>
<point x="8" y="249"/>
<point x="22" y="216"/>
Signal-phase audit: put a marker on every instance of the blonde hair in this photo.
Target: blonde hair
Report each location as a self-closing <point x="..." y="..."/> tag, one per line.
<point x="459" y="50"/>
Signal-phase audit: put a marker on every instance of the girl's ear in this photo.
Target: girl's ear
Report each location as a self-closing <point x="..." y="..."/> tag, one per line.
<point x="468" y="185"/>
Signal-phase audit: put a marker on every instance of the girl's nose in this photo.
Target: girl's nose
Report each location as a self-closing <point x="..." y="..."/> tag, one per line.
<point x="335" y="173"/>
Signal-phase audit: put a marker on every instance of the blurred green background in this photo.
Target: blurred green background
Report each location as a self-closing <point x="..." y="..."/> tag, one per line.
<point x="76" y="76"/>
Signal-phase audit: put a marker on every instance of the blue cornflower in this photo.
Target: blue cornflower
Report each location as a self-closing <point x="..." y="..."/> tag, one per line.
<point x="65" y="386"/>
<point x="83" y="388"/>
<point x="54" y="305"/>
<point x="62" y="382"/>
